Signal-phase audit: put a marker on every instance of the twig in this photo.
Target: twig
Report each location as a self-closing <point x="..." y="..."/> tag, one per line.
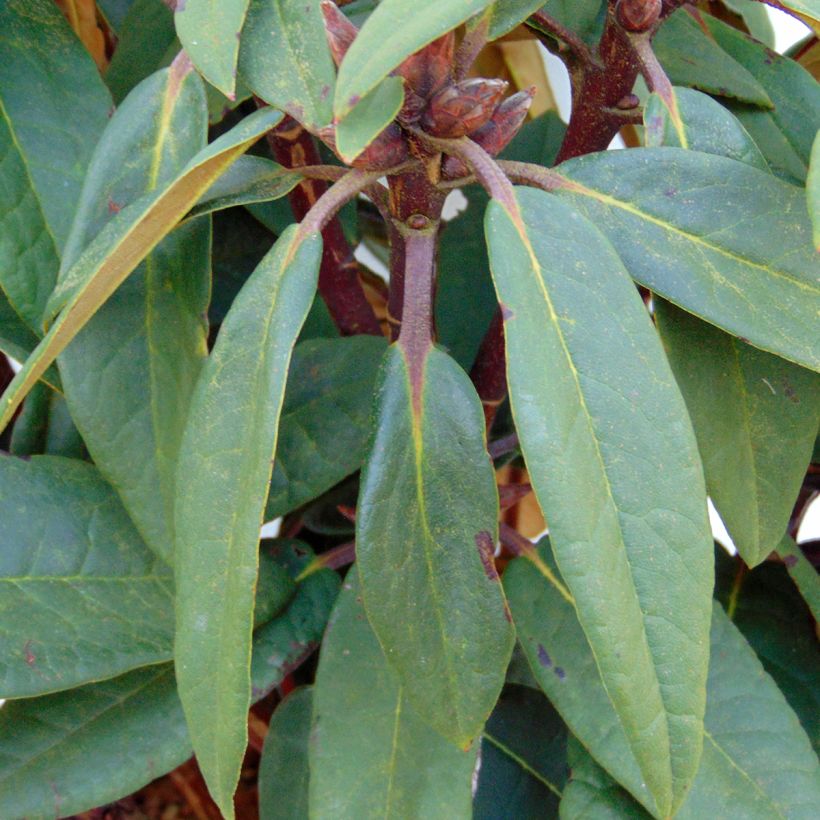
<point x="542" y="23"/>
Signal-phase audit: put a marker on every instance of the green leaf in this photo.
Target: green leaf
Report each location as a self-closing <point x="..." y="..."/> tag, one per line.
<point x="757" y="760"/>
<point x="565" y="668"/>
<point x="72" y="751"/>
<point x="123" y="244"/>
<point x="767" y="608"/>
<point x="371" y="753"/>
<point x="504" y="15"/>
<point x="585" y="17"/>
<point x="250" y="179"/>
<point x="394" y="31"/>
<point x="813" y="191"/>
<point x="285" y="59"/>
<point x="523" y="758"/>
<point x="129" y="374"/>
<point x="45" y="426"/>
<point x="81" y="597"/>
<point x="146" y="41"/>
<point x="283" y="768"/>
<point x="369" y="118"/>
<point x="426" y="529"/>
<point x="755" y="417"/>
<point x="692" y="58"/>
<point x="720" y="239"/>
<point x="222" y="480"/>
<point x="17" y="339"/>
<point x="803" y="574"/>
<point x="210" y="34"/>
<point x="756" y="17"/>
<point x="785" y="133"/>
<point x="802" y="8"/>
<point x="53" y="106"/>
<point x="615" y="468"/>
<point x="700" y="124"/>
<point x="325" y="419"/>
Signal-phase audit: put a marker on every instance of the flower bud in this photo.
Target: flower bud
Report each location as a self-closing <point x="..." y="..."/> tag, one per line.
<point x="638" y="15"/>
<point x="339" y="30"/>
<point x="495" y="135"/>
<point x="462" y="108"/>
<point x="428" y="70"/>
<point x="386" y="151"/>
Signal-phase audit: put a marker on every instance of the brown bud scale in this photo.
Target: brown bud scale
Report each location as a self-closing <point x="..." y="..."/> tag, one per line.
<point x="638" y="15"/>
<point x="463" y="107"/>
<point x="339" y="30"/>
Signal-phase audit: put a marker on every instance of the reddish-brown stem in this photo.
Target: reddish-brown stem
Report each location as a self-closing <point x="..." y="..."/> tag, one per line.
<point x="597" y="89"/>
<point x="339" y="283"/>
<point x="488" y="373"/>
<point x="541" y="23"/>
<point x="412" y="198"/>
<point x="416" y="334"/>
<point x="503" y="446"/>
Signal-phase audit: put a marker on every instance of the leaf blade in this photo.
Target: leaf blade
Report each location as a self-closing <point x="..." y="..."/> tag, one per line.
<point x="125" y="242"/>
<point x="427" y="491"/>
<point x="578" y="409"/>
<point x="222" y="479"/>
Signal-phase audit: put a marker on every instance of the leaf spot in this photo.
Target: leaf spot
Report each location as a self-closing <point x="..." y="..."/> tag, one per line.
<point x="486" y="551"/>
<point x="790" y="560"/>
<point x="560" y="673"/>
<point x="543" y="656"/>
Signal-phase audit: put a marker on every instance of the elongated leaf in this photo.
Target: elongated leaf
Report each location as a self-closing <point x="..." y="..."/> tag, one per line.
<point x="284" y="775"/>
<point x="222" y="480"/>
<point x="53" y="106"/>
<point x="129" y="373"/>
<point x="371" y="754"/>
<point x="285" y="59"/>
<point x="250" y="179"/>
<point x="802" y="8"/>
<point x="564" y="667"/>
<point x="45" y="427"/>
<point x="736" y="777"/>
<point x="395" y="30"/>
<point x="724" y="241"/>
<point x="72" y="751"/>
<point x="210" y="33"/>
<point x="700" y="124"/>
<point x="692" y="58"/>
<point x="17" y="339"/>
<point x="81" y="597"/>
<point x="425" y="535"/>
<point x="767" y="608"/>
<point x="785" y="133"/>
<point x="748" y="724"/>
<point x="755" y="417"/>
<point x="813" y="191"/>
<point x="123" y="244"/>
<point x="803" y="574"/>
<point x="369" y="118"/>
<point x="523" y="758"/>
<point x="599" y="415"/>
<point x="325" y="419"/>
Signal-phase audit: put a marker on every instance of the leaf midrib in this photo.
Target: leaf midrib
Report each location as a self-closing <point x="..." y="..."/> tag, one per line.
<point x="538" y="274"/>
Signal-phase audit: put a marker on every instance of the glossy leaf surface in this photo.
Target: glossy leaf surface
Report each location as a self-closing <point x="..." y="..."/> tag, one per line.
<point x="325" y="419"/>
<point x="718" y="238"/>
<point x="81" y="597"/>
<point x="222" y="481"/>
<point x="394" y="31"/>
<point x="285" y="59"/>
<point x="128" y="375"/>
<point x="65" y="753"/>
<point x="505" y="15"/>
<point x="803" y="574"/>
<point x="598" y="413"/>
<point x="371" y="754"/>
<point x="755" y="417"/>
<point x="209" y="33"/>
<point x="425" y="536"/>
<point x="50" y="95"/>
<point x="284" y="775"/>
<point x="123" y="244"/>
